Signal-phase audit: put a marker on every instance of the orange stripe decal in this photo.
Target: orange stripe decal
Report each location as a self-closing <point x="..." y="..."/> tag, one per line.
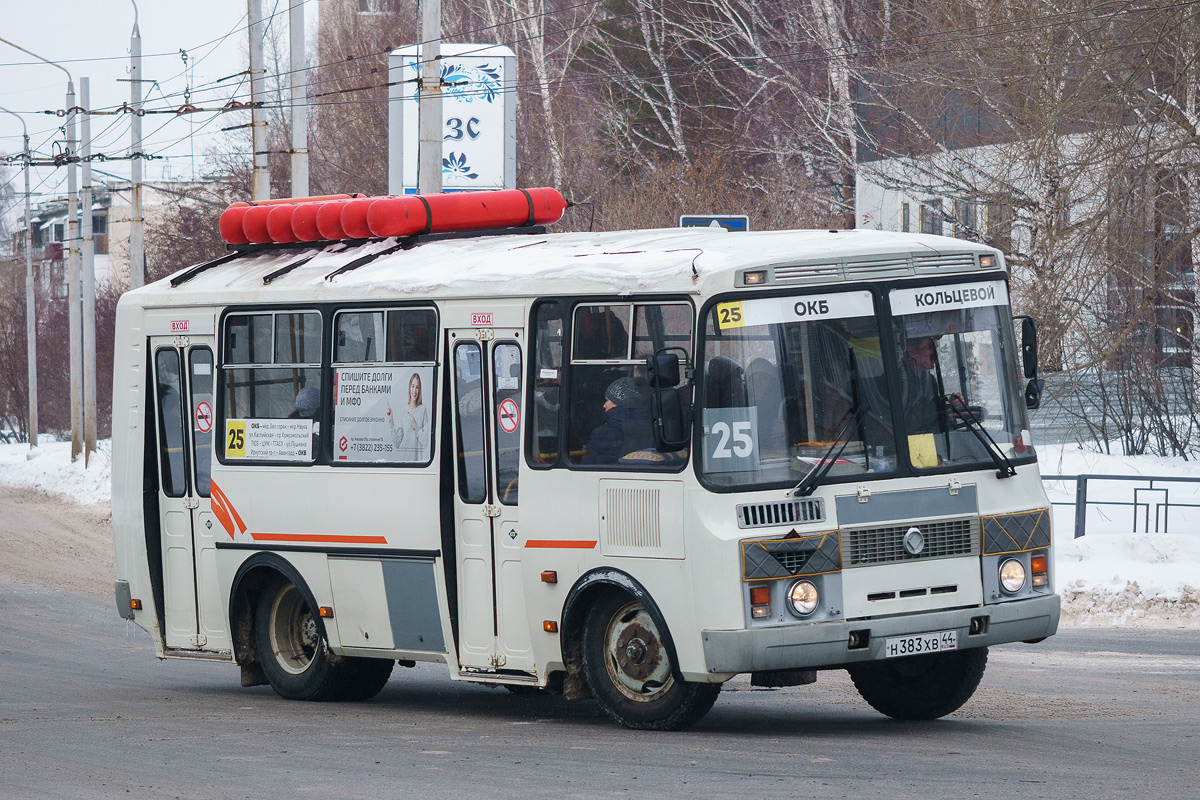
<point x="316" y="537"/>
<point x="224" y="511"/>
<point x="565" y="544"/>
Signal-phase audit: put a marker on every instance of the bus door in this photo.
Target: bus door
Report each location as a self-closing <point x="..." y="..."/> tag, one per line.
<point x="486" y="394"/>
<point x="184" y="418"/>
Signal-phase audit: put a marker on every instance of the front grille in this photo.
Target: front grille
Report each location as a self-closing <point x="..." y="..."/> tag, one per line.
<point x="785" y="512"/>
<point x="792" y="562"/>
<point x="885" y="545"/>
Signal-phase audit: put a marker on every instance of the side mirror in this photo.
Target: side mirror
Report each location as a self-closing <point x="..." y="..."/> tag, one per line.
<point x="1029" y="353"/>
<point x="662" y="370"/>
<point x="669" y="406"/>
<point x="1033" y="393"/>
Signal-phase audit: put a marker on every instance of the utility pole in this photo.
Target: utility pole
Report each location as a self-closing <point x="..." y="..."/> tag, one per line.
<point x="137" y="225"/>
<point x="299" y="84"/>
<point x="73" y="253"/>
<point x="429" y="106"/>
<point x="260" y="185"/>
<point x="89" y="277"/>
<point x="30" y="314"/>
<point x="73" y="306"/>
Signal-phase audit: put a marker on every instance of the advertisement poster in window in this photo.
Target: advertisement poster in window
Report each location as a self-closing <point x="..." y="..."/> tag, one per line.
<point x="382" y="414"/>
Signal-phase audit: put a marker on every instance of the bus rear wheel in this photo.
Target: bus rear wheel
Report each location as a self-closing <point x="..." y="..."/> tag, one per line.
<point x="629" y="670"/>
<point x="921" y="687"/>
<point x="295" y="657"/>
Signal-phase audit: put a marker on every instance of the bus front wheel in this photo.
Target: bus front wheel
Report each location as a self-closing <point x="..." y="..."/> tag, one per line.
<point x="295" y="657"/>
<point x="629" y="670"/>
<point x="921" y="687"/>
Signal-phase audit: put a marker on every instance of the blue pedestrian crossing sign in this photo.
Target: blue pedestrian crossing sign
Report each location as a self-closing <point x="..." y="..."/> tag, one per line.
<point x="730" y="222"/>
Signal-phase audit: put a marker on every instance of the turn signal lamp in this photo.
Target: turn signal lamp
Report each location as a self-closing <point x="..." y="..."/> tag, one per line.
<point x="135" y="604"/>
<point x="550" y="626"/>
<point x="760" y="602"/>
<point x="1039" y="566"/>
<point x="327" y="611"/>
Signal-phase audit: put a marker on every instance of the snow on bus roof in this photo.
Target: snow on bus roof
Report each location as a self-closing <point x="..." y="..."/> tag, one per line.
<point x="622" y="261"/>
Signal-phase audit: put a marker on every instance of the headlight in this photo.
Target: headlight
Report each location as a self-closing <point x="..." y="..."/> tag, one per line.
<point x="1012" y="576"/>
<point x="804" y="597"/>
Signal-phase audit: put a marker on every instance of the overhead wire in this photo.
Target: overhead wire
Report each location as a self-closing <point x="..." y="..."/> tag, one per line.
<point x="959" y="39"/>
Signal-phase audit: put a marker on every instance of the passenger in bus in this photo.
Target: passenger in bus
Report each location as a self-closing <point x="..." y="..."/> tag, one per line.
<point x="626" y="425"/>
<point x="411" y="434"/>
<point x="308" y="400"/>
<point x="724" y="384"/>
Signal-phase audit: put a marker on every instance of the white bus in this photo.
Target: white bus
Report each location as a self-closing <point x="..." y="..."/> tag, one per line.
<point x="627" y="466"/>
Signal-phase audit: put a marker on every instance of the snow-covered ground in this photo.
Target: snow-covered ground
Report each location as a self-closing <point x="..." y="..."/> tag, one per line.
<point x="1117" y="575"/>
<point x="49" y="469"/>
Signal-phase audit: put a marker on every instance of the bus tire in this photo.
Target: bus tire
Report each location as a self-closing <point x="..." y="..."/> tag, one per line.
<point x="630" y="673"/>
<point x="921" y="687"/>
<point x="291" y="645"/>
<point x="363" y="678"/>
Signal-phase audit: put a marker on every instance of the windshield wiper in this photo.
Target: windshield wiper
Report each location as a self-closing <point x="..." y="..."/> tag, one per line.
<point x="1004" y="465"/>
<point x="812" y="479"/>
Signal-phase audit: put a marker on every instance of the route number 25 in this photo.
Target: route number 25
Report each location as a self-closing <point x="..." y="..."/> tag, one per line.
<point x="739" y="433"/>
<point x="235" y="439"/>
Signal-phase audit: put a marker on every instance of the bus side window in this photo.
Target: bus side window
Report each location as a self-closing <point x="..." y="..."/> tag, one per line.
<point x="506" y="384"/>
<point x="201" y="383"/>
<point x="468" y="394"/>
<point x="271" y="370"/>
<point x="383" y="386"/>
<point x="546" y="383"/>
<point x="610" y="423"/>
<point x="170" y="422"/>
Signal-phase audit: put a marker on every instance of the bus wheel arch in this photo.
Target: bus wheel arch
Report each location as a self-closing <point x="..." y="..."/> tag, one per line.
<point x="270" y="603"/>
<point x="605" y="607"/>
<point x="252" y="576"/>
<point x="583" y="595"/>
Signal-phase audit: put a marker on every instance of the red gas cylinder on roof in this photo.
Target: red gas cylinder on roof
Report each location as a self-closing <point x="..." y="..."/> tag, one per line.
<point x="335" y="217"/>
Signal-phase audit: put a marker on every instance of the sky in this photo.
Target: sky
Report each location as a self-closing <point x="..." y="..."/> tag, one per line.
<point x="91" y="38"/>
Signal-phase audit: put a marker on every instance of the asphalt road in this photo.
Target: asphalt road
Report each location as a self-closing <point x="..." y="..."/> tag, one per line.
<point x="87" y="711"/>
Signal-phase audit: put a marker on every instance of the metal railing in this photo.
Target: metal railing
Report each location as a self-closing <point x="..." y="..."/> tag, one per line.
<point x="1145" y="497"/>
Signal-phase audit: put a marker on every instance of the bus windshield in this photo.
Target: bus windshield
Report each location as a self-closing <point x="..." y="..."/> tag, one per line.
<point x="790" y="382"/>
<point x="956" y="358"/>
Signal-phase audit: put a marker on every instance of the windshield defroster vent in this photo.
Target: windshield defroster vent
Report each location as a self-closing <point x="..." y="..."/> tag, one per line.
<point x="785" y="512"/>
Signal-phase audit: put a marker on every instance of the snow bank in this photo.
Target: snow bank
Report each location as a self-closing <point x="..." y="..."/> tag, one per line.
<point x="1119" y="574"/>
<point x="49" y="469"/>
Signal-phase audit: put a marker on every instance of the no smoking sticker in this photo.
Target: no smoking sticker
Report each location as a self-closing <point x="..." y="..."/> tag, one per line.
<point x="509" y="415"/>
<point x="204" y="417"/>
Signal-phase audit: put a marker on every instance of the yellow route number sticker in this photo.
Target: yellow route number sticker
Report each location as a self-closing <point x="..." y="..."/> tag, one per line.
<point x="235" y="439"/>
<point x="729" y="315"/>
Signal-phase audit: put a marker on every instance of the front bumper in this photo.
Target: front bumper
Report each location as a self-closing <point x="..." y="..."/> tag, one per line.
<point x="826" y="644"/>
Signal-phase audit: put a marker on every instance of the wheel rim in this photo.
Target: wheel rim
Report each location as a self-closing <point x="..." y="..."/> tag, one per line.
<point x="294" y="634"/>
<point x="637" y="662"/>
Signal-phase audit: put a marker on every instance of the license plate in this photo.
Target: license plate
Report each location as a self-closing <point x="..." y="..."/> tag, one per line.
<point x="920" y="643"/>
